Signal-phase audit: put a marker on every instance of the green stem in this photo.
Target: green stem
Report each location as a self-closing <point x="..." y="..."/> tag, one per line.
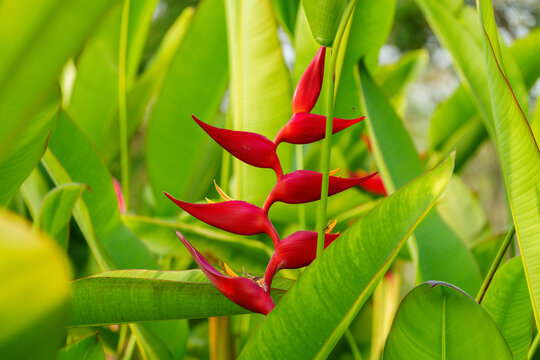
<point x="329" y="69"/>
<point x="300" y="166"/>
<point x="533" y="347"/>
<point x="352" y="344"/>
<point x="496" y="263"/>
<point x="122" y="108"/>
<point x="130" y="347"/>
<point x="226" y="160"/>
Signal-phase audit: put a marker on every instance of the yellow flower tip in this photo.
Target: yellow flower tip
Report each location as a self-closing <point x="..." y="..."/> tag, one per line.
<point x="331" y="225"/>
<point x="333" y="172"/>
<point x="209" y="201"/>
<point x="222" y="193"/>
<point x="228" y="270"/>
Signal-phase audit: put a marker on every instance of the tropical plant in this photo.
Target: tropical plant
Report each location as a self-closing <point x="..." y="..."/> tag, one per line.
<point x="117" y="115"/>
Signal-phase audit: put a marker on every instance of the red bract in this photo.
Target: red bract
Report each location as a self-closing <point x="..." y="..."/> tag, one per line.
<point x="303" y="186"/>
<point x="238" y="217"/>
<point x="309" y="87"/>
<point x="373" y="185"/>
<point x="295" y="251"/>
<point x="243" y="291"/>
<point x="251" y="148"/>
<point x="307" y="128"/>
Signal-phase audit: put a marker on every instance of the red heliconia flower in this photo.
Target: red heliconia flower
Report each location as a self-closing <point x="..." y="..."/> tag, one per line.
<point x="243" y="291"/>
<point x="251" y="148"/>
<point x="235" y="216"/>
<point x="373" y="185"/>
<point x="303" y="186"/>
<point x="307" y="128"/>
<point x="295" y="251"/>
<point x="119" y="196"/>
<point x="309" y="87"/>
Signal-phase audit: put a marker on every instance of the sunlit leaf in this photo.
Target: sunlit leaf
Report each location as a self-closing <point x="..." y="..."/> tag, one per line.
<point x="519" y="155"/>
<point x="314" y="314"/>
<point x="439" y="321"/>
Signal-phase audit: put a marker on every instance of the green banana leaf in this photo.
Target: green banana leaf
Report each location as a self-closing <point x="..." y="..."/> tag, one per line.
<point x="72" y="158"/>
<point x="507" y="301"/>
<point x="519" y="154"/>
<point x="194" y="84"/>
<point x="34" y="50"/>
<point x="147" y="295"/>
<point x="439" y="321"/>
<point x="25" y="150"/>
<point x="34" y="284"/>
<point x="260" y="101"/>
<point x="336" y="285"/>
<point x="439" y="249"/>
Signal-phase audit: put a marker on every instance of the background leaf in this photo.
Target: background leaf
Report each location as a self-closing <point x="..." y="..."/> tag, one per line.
<point x="437" y="320"/>
<point x="88" y="348"/>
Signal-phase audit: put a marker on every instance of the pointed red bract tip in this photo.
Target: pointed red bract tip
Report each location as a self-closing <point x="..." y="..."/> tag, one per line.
<point x="303" y="186"/>
<point x="237" y="217"/>
<point x="373" y="185"/>
<point x="307" y="128"/>
<point x="309" y="86"/>
<point x="295" y="251"/>
<point x="242" y="291"/>
<point x="251" y="148"/>
<point x="119" y="196"/>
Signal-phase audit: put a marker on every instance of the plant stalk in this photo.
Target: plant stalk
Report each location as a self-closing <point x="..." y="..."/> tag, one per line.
<point x="352" y="344"/>
<point x="329" y="69"/>
<point x="534" y="346"/>
<point x="300" y="166"/>
<point x="496" y="263"/>
<point x="122" y="107"/>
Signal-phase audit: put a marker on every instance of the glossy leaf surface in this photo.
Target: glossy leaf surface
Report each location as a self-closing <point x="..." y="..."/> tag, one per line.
<point x="438" y="321"/>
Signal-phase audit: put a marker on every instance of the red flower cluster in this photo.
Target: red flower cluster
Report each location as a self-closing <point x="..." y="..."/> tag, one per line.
<point x="301" y="186"/>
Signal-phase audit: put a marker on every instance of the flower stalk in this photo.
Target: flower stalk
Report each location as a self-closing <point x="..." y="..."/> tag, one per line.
<point x="330" y="67"/>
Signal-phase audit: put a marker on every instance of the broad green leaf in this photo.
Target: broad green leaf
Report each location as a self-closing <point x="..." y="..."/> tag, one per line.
<point x="72" y="158"/>
<point x="148" y="295"/>
<point x="441" y="254"/>
<point x="94" y="101"/>
<point x="461" y="210"/>
<point x="535" y="122"/>
<point x="194" y="84"/>
<point x="324" y="17"/>
<point x="485" y="250"/>
<point x="315" y="313"/>
<point x="34" y="49"/>
<point x="439" y="321"/>
<point x="507" y="301"/>
<point x="260" y="89"/>
<point x="25" y="150"/>
<point x="237" y="251"/>
<point x="147" y="87"/>
<point x="87" y="348"/>
<point x="519" y="156"/>
<point x="466" y="54"/>
<point x="55" y="212"/>
<point x="33" y="190"/>
<point x="34" y="289"/>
